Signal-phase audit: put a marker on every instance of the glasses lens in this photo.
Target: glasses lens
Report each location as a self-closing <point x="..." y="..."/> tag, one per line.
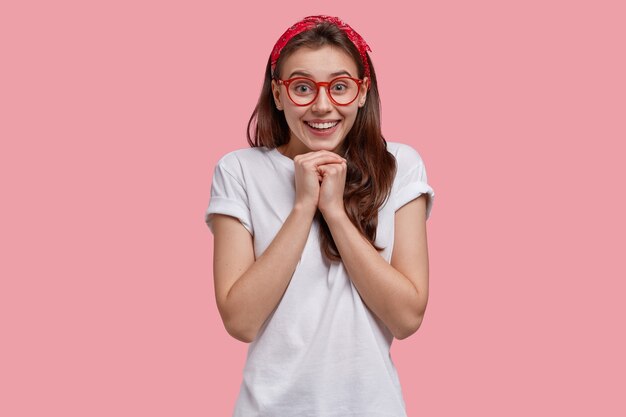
<point x="302" y="91"/>
<point x="344" y="90"/>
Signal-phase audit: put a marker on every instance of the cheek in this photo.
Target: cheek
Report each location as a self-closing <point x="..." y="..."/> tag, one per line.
<point x="293" y="119"/>
<point x="290" y="115"/>
<point x="350" y="117"/>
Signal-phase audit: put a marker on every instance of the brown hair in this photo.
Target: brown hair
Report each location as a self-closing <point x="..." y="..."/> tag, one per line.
<point x="370" y="168"/>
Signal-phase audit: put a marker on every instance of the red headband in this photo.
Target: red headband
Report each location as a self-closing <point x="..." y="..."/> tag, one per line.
<point x="312" y="21"/>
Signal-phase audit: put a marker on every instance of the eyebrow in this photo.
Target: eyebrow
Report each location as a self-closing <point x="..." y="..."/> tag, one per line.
<point x="306" y="74"/>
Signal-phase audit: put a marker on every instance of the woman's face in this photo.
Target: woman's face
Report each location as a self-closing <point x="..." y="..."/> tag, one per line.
<point x="323" y="64"/>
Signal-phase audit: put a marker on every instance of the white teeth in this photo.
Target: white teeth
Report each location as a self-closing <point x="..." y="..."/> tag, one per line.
<point x="322" y="125"/>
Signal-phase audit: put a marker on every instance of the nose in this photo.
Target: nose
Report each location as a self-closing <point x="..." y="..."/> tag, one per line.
<point x="322" y="103"/>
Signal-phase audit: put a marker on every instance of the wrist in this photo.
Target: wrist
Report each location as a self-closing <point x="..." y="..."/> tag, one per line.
<point x="305" y="210"/>
<point x="333" y="216"/>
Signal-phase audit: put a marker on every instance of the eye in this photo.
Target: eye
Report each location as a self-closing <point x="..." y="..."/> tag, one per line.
<point x="303" y="88"/>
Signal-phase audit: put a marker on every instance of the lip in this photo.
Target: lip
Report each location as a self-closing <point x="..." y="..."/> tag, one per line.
<point x="325" y="132"/>
<point x="322" y="120"/>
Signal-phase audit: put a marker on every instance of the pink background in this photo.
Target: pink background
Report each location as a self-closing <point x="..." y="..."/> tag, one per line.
<point x="113" y="115"/>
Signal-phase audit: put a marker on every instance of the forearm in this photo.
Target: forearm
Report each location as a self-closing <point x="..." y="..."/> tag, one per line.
<point x="257" y="292"/>
<point x="386" y="291"/>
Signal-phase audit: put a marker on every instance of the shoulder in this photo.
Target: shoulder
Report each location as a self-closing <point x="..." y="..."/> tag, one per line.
<point x="238" y="161"/>
<point x="407" y="157"/>
<point x="238" y="157"/>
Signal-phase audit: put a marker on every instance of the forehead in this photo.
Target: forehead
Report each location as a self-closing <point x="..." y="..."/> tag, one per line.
<point x="320" y="63"/>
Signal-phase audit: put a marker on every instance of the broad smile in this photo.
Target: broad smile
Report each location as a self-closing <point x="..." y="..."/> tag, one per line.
<point x="322" y="128"/>
<point x="324" y="125"/>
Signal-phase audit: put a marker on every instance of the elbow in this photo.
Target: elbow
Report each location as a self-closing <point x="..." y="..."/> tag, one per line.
<point x="413" y="321"/>
<point x="242" y="337"/>
<point x="235" y="325"/>
<point x="410" y="328"/>
<point x="240" y="332"/>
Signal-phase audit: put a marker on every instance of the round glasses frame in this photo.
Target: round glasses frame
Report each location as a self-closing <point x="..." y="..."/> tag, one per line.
<point x="318" y="85"/>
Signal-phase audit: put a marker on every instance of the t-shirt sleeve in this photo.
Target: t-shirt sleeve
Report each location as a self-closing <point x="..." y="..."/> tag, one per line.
<point x="413" y="180"/>
<point x="228" y="195"/>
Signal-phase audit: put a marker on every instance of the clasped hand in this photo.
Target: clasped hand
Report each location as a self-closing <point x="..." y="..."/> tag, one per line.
<point x="320" y="178"/>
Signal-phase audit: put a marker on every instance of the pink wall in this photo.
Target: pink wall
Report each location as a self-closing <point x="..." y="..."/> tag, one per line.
<point x="113" y="116"/>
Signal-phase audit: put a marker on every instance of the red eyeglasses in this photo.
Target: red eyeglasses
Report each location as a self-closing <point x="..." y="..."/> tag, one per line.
<point x="303" y="91"/>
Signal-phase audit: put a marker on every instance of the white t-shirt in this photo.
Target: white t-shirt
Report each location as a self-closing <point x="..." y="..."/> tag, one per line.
<point x="321" y="352"/>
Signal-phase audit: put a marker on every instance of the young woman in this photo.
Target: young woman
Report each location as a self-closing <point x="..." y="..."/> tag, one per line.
<point x="320" y="250"/>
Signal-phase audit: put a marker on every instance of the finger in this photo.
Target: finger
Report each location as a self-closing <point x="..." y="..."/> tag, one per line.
<point x="321" y="157"/>
<point x="319" y="161"/>
<point x="334" y="163"/>
<point x="332" y="168"/>
<point x="320" y="167"/>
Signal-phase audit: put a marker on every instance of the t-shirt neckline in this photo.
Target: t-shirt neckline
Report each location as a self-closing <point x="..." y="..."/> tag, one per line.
<point x="284" y="160"/>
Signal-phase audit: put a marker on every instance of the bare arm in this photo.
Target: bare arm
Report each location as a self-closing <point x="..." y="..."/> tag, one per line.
<point x="397" y="292"/>
<point x="248" y="290"/>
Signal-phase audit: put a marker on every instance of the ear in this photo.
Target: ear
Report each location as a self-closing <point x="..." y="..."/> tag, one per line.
<point x="276" y="95"/>
<point x="363" y="93"/>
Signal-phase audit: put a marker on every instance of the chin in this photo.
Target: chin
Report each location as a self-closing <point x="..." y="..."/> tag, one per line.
<point x="325" y="146"/>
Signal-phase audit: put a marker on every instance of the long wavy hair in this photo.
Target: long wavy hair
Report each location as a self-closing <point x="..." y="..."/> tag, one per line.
<point x="370" y="167"/>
